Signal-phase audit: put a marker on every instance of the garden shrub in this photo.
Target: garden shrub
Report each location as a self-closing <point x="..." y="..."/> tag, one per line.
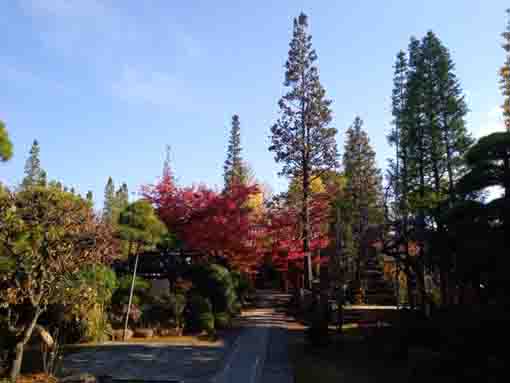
<point x="236" y="309"/>
<point x="164" y="310"/>
<point x="103" y="279"/>
<point x="242" y="285"/>
<point x="206" y="322"/>
<point x="198" y="312"/>
<point x="215" y="282"/>
<point x="177" y="304"/>
<point x="222" y="320"/>
<point x="141" y="290"/>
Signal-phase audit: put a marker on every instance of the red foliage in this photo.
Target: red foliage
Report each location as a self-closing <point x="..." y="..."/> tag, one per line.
<point x="286" y="238"/>
<point x="213" y="223"/>
<point x="221" y="224"/>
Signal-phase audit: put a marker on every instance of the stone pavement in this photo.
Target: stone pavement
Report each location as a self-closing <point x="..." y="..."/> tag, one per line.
<point x="259" y="354"/>
<point x="147" y="362"/>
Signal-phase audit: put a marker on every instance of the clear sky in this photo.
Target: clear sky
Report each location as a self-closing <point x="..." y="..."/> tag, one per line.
<point x="105" y="85"/>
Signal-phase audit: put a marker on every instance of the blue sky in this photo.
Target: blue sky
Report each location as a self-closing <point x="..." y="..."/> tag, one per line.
<point x="105" y="85"/>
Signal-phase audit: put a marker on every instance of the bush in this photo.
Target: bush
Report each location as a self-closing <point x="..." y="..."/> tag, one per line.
<point x="242" y="285"/>
<point x="177" y="305"/>
<point x="118" y="315"/>
<point x="103" y="279"/>
<point x="222" y="320"/>
<point x="141" y="290"/>
<point x="215" y="282"/>
<point x="198" y="313"/>
<point x="166" y="309"/>
<point x="206" y="322"/>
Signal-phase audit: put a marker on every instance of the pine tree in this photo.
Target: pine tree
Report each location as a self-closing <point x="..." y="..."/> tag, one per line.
<point x="234" y="170"/>
<point x="90" y="196"/>
<point x="34" y="174"/>
<point x="364" y="182"/>
<point x="505" y="74"/>
<point x="109" y="201"/>
<point x="167" y="168"/>
<point x="5" y="144"/>
<point x="431" y="140"/>
<point x="301" y="138"/>
<point x="398" y="167"/>
<point x="121" y="197"/>
<point x="434" y="114"/>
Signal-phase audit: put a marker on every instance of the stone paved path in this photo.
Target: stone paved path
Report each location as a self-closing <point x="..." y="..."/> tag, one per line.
<point x="259" y="354"/>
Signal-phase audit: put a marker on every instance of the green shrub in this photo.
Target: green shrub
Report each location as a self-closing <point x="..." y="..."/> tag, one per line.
<point x="242" y="285"/>
<point x="141" y="291"/>
<point x="198" y="313"/>
<point x="103" y="279"/>
<point x="222" y="320"/>
<point x="236" y="309"/>
<point x="206" y="322"/>
<point x="215" y="282"/>
<point x="177" y="304"/>
<point x="165" y="309"/>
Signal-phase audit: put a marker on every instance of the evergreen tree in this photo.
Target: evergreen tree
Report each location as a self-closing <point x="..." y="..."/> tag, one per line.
<point x="120" y="201"/>
<point x="398" y="172"/>
<point x="431" y="141"/>
<point x="167" y="169"/>
<point x="44" y="178"/>
<point x="5" y="144"/>
<point x="109" y="200"/>
<point x="234" y="170"/>
<point x="34" y="174"/>
<point x="434" y="112"/>
<point x="90" y="196"/>
<point x="121" y="197"/>
<point x="364" y="183"/>
<point x="505" y="74"/>
<point x="301" y="138"/>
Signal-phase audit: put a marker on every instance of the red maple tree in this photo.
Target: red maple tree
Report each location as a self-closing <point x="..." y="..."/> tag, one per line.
<point x="283" y="229"/>
<point x="218" y="224"/>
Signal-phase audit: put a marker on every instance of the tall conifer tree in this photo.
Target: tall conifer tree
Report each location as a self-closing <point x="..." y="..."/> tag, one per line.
<point x="397" y="138"/>
<point x="302" y="139"/>
<point x="234" y="170"/>
<point x="109" y="200"/>
<point x="431" y="140"/>
<point x="364" y="182"/>
<point x="34" y="174"/>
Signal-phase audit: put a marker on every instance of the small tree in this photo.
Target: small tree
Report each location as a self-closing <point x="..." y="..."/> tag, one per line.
<point x="141" y="228"/>
<point x="46" y="236"/>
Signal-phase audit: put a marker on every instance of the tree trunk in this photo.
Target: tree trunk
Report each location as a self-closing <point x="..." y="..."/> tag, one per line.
<point x="306" y="228"/>
<point x="130" y="297"/>
<point x="18" y="360"/>
<point x="409" y="290"/>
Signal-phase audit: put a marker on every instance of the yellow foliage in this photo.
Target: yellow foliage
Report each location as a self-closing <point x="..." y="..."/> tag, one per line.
<point x="256" y="202"/>
<point x="296" y="187"/>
